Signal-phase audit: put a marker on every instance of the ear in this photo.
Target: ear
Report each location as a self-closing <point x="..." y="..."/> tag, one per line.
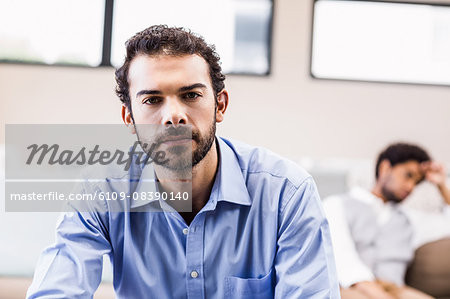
<point x="127" y="119"/>
<point x="222" y="104"/>
<point x="384" y="168"/>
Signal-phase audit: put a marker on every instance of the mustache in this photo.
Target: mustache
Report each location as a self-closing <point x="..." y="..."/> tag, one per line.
<point x="181" y="131"/>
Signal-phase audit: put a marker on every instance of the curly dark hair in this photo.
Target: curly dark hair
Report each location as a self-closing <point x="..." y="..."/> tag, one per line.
<point x="402" y="152"/>
<point x="164" y="40"/>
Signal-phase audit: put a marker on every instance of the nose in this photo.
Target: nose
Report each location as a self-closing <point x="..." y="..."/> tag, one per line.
<point x="173" y="113"/>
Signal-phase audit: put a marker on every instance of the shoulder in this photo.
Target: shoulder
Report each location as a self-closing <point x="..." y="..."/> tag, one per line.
<point x="356" y="196"/>
<point x="97" y="185"/>
<point x="259" y="161"/>
<point x="356" y="202"/>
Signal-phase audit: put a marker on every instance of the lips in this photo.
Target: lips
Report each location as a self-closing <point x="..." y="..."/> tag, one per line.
<point x="176" y="140"/>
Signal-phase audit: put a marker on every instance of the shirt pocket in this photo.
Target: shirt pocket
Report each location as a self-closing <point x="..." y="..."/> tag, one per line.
<point x="248" y="288"/>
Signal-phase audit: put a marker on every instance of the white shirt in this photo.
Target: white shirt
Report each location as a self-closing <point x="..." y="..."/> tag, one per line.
<point x="351" y="266"/>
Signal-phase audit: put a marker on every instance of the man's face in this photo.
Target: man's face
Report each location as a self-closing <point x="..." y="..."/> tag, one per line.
<point x="174" y="92"/>
<point x="399" y="180"/>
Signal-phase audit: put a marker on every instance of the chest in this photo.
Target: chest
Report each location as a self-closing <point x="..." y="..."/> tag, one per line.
<point x="231" y="240"/>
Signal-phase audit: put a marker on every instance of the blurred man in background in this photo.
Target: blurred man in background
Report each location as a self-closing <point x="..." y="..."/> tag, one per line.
<point x="372" y="235"/>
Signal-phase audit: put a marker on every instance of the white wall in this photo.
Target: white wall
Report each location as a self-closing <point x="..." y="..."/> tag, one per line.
<point x="288" y="112"/>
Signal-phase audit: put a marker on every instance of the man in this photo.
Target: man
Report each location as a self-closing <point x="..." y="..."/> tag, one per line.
<point x="256" y="229"/>
<point x="371" y="234"/>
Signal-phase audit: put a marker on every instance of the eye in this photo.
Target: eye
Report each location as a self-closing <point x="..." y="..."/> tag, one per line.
<point x="191" y="95"/>
<point x="152" y="100"/>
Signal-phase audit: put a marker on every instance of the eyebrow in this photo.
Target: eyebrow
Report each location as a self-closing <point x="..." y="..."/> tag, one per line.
<point x="193" y="86"/>
<point x="181" y="89"/>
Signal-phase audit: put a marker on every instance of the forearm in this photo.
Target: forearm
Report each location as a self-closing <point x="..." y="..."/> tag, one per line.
<point x="372" y="290"/>
<point x="445" y="192"/>
<point x="344" y="246"/>
<point x="72" y="266"/>
<point x="436" y="174"/>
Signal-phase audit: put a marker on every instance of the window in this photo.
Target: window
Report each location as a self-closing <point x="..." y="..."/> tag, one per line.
<point x="240" y="29"/>
<point x="381" y="41"/>
<point x="52" y="32"/>
<point x="77" y="32"/>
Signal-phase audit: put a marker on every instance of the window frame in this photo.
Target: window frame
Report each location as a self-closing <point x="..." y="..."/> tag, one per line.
<point x="105" y="61"/>
<point x="311" y="49"/>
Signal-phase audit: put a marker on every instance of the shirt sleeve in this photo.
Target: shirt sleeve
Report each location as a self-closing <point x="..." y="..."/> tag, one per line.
<point x="304" y="262"/>
<point x="351" y="269"/>
<point x="72" y="266"/>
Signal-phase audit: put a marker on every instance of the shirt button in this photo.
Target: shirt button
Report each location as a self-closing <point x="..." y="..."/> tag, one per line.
<point x="194" y="274"/>
<point x="185" y="231"/>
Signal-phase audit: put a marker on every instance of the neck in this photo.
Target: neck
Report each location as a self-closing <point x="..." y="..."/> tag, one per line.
<point x="201" y="180"/>
<point x="378" y="193"/>
<point x="203" y="175"/>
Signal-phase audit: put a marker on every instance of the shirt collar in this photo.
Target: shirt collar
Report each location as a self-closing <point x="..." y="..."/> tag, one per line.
<point x="229" y="184"/>
<point x="145" y="184"/>
<point x="370" y="198"/>
<point x="365" y="196"/>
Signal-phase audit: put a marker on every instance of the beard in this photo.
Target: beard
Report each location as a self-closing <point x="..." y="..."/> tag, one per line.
<point x="390" y="196"/>
<point x="179" y="157"/>
<point x="204" y="143"/>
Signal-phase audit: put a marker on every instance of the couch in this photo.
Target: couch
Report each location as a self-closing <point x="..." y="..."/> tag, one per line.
<point x="430" y="269"/>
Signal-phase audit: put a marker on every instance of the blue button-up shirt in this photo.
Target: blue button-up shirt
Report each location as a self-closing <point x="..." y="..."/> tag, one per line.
<point x="262" y="234"/>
